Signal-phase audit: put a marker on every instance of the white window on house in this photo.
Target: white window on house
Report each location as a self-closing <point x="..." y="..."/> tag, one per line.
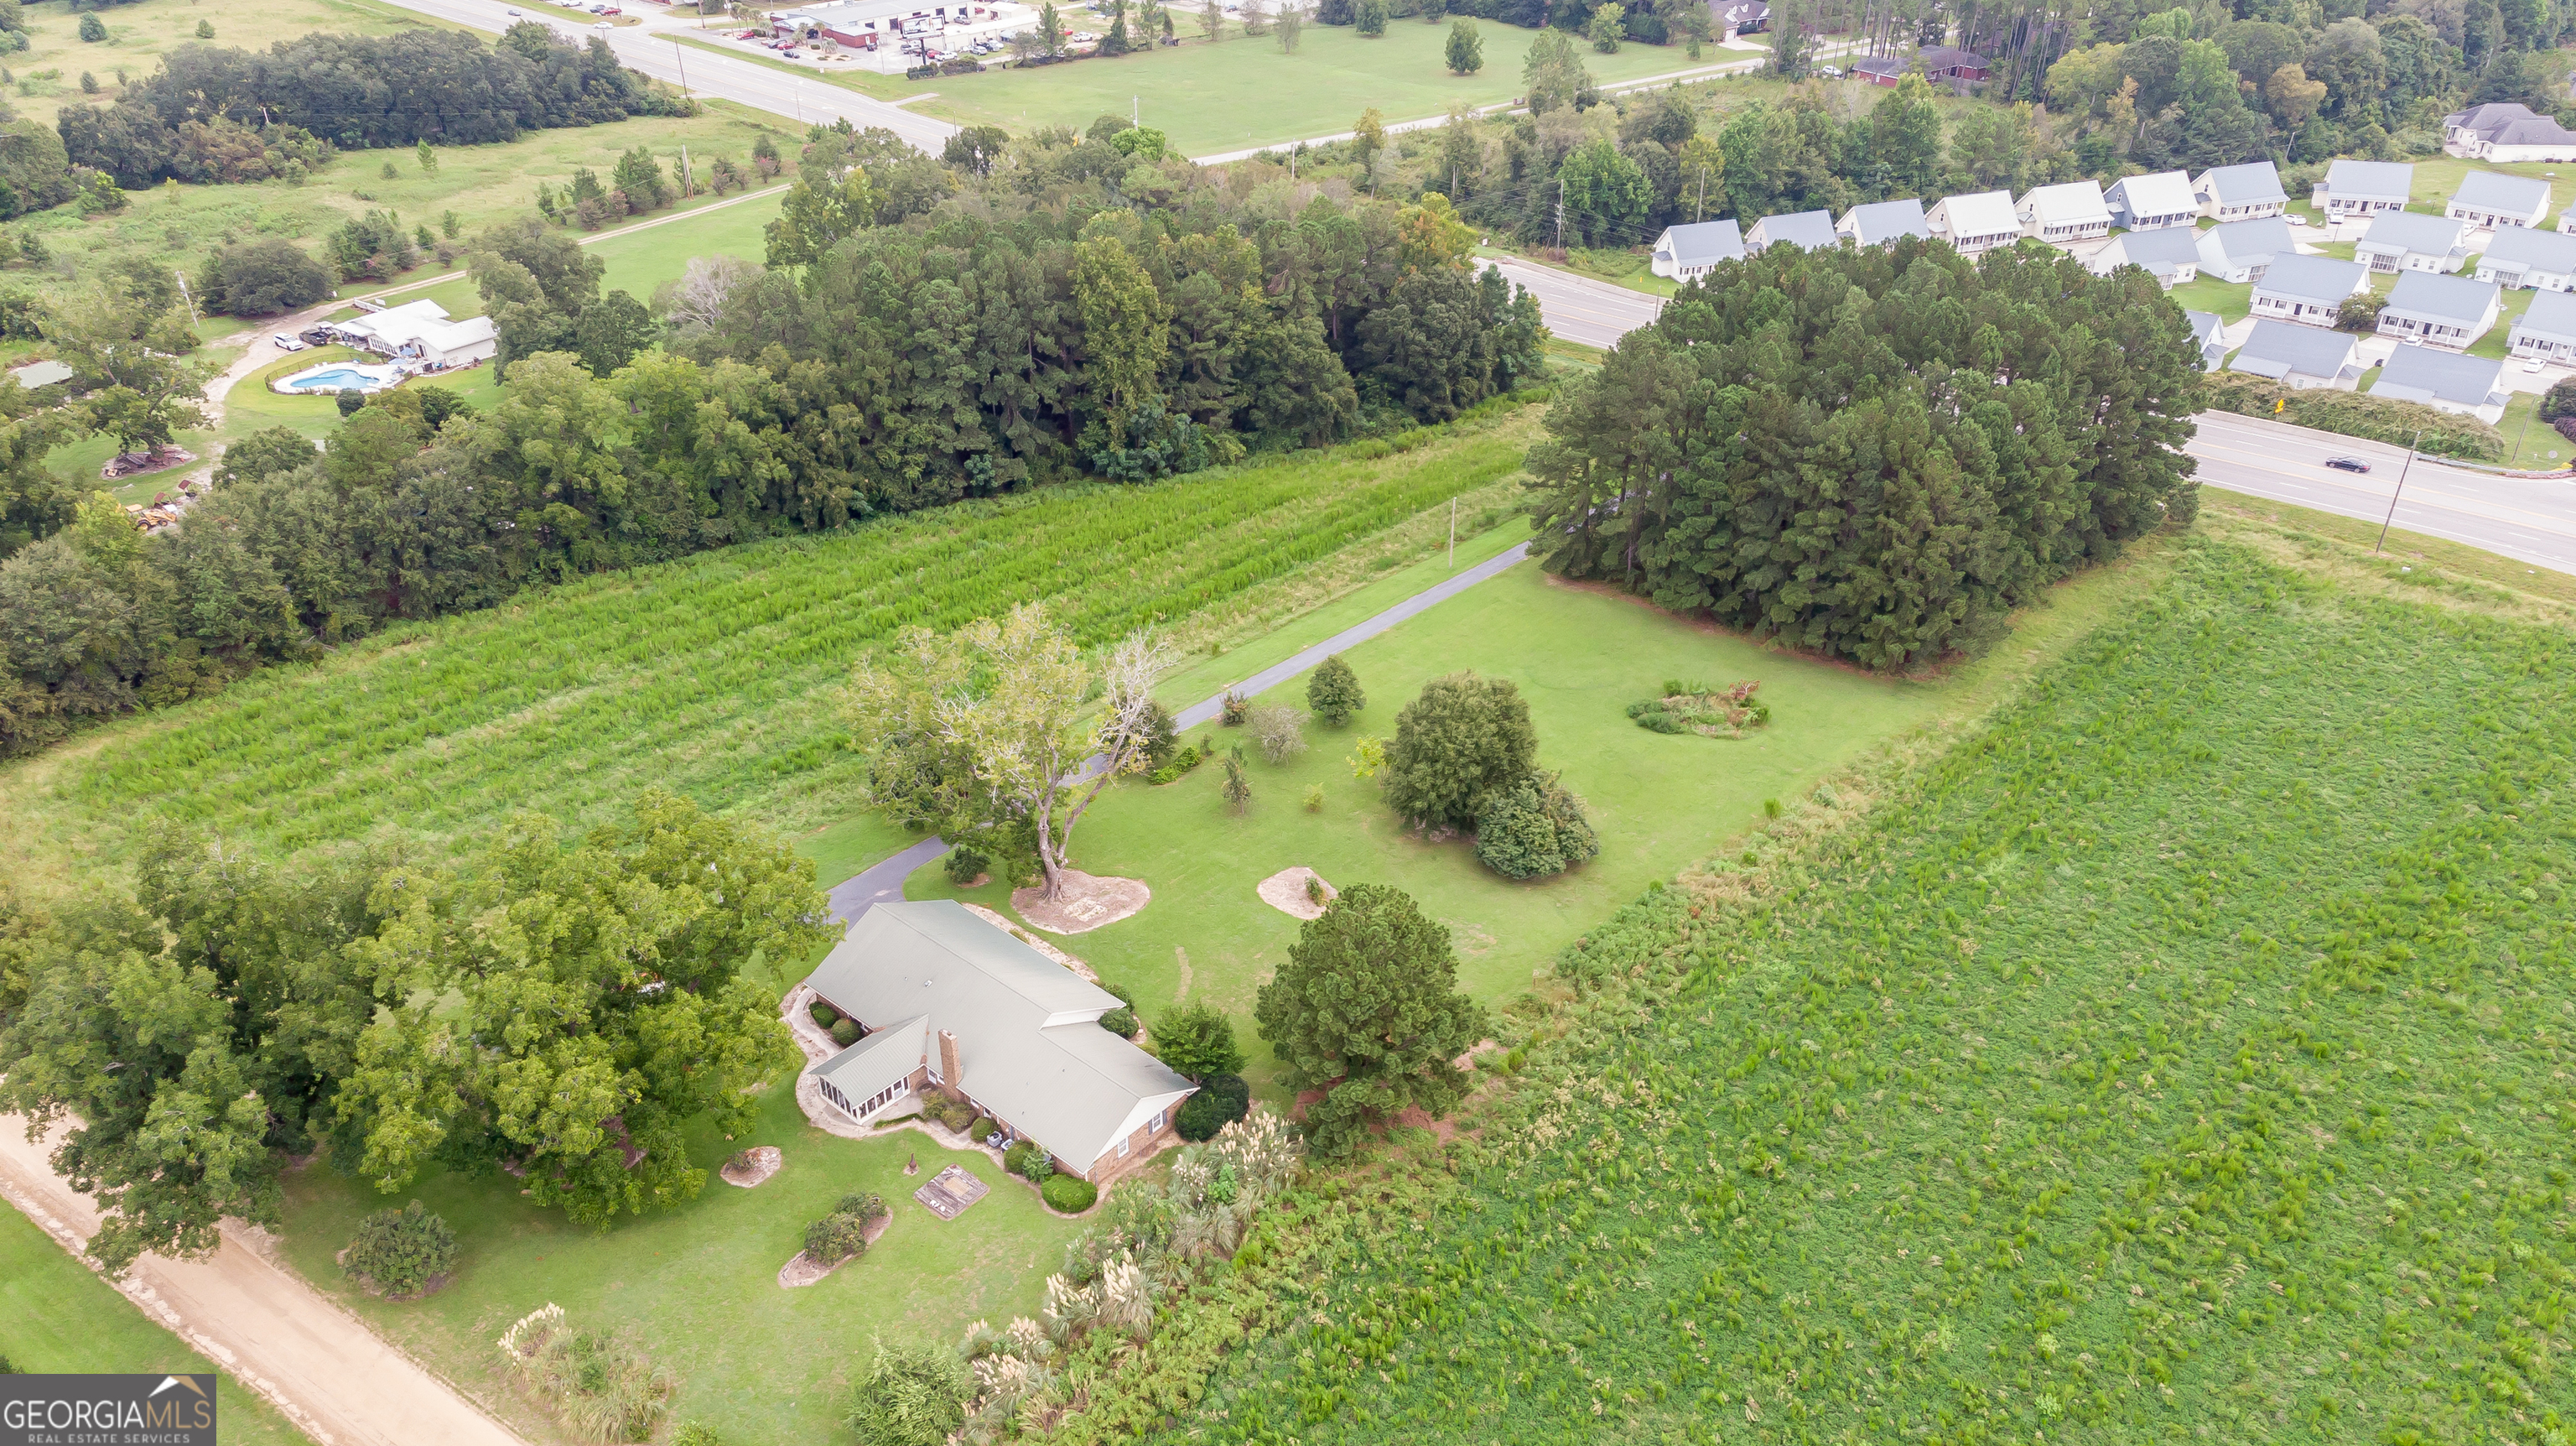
<point x="1122" y="1148"/>
<point x="1155" y="1125"/>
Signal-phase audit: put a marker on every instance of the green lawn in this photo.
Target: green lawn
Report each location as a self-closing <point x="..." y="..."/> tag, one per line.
<point x="2232" y="301"/>
<point x="2516" y="300"/>
<point x="58" y="1317"/>
<point x="1240" y="93"/>
<point x="2437" y="177"/>
<point x="1659" y="802"/>
<point x="2528" y="441"/>
<point x="697" y="1286"/>
<point x="138" y="35"/>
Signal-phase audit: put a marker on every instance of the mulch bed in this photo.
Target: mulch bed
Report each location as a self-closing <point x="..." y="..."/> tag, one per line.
<point x="806" y="1270"/>
<point x="1086" y="903"/>
<point x="756" y="1165"/>
<point x="950" y="1192"/>
<point x="1286" y="892"/>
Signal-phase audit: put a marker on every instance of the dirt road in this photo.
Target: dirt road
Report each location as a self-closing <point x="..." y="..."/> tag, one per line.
<point x="274" y="1334"/>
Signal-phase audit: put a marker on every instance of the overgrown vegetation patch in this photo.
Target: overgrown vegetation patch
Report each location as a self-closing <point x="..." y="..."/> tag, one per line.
<point x="2186" y="1055"/>
<point x="1711" y="712"/>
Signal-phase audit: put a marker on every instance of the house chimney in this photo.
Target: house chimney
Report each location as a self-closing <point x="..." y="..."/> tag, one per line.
<point x="950" y="1071"/>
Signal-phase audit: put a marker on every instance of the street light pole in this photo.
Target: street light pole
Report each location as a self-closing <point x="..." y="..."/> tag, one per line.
<point x="2400" y="492"/>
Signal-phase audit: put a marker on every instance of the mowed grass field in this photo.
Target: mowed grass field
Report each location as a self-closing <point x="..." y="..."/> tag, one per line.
<point x="2185" y="1058"/>
<point x="697" y="1286"/>
<point x="58" y="1317"/>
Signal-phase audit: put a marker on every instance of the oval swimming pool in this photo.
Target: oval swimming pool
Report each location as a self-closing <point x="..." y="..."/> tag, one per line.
<point x="334" y="379"/>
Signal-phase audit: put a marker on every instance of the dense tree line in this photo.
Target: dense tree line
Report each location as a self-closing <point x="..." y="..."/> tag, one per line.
<point x="1874" y="454"/>
<point x="350" y="91"/>
<point x="374" y="1008"/>
<point x="953" y="334"/>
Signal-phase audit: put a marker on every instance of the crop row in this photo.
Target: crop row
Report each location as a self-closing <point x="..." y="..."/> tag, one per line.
<point x="2186" y="1058"/>
<point x="713" y="674"/>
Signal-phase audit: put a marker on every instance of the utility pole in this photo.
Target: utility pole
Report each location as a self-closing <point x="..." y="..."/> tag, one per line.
<point x="1560" y="213"/>
<point x="682" y="55"/>
<point x="2400" y="492"/>
<point x="1453" y="534"/>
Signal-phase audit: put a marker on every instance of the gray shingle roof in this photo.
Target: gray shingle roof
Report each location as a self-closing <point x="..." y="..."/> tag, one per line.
<point x="2521" y="248"/>
<point x="1030" y="1046"/>
<point x="2411" y="231"/>
<point x="1885" y="221"/>
<point x="2172" y="245"/>
<point x="2255" y="241"/>
<point x="2511" y="195"/>
<point x="2424" y="373"/>
<point x="1809" y="229"/>
<point x="2277" y="348"/>
<point x="2166" y="193"/>
<point x="2317" y="280"/>
<point x="2552" y="314"/>
<point x="2454" y="299"/>
<point x="2492" y="116"/>
<point x="2243" y="185"/>
<point x="2390" y="180"/>
<point x="42" y="374"/>
<point x="2539" y="130"/>
<point x="1704" y="243"/>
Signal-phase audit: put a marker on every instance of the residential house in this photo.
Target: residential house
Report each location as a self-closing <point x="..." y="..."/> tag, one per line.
<point x="2240" y="250"/>
<point x="419" y="331"/>
<point x="2064" y="213"/>
<point x="2363" y="189"/>
<point x="2309" y="290"/>
<point x="2209" y="333"/>
<point x="2547" y="330"/>
<point x="2444" y="311"/>
<point x="945" y="998"/>
<point x="2300" y="356"/>
<point x="1884" y="70"/>
<point x="2171" y="255"/>
<point x="1808" y="230"/>
<point x="1977" y="223"/>
<point x="2411" y="241"/>
<point x="1949" y="62"/>
<point x="2446" y="381"/>
<point x="2240" y="193"/>
<point x="2147" y="203"/>
<point x="2494" y="200"/>
<point x="1883" y="221"/>
<point x="1739" y="17"/>
<point x="2520" y="256"/>
<point x="2507" y="131"/>
<point x="1684" y="252"/>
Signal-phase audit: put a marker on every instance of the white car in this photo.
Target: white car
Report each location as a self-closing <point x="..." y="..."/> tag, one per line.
<point x="2295" y="220"/>
<point x="2532" y="365"/>
<point x="603" y="25"/>
<point x="286" y="342"/>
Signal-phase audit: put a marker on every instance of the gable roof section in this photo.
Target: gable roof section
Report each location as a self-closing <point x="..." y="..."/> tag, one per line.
<point x="2413" y="231"/>
<point x="2390" y="180"/>
<point x="2166" y="245"/>
<point x="2552" y="314"/>
<point x="1030" y="1046"/>
<point x="2539" y="130"/>
<point x="1884" y="221"/>
<point x="2318" y="280"/>
<point x="2206" y="326"/>
<point x="1705" y="243"/>
<point x="2450" y="376"/>
<point x="2494" y="191"/>
<point x="879" y="1061"/>
<point x="2250" y="241"/>
<point x="2493" y="116"/>
<point x="2521" y="248"/>
<point x="1809" y="229"/>
<point x="1980" y="213"/>
<point x="2277" y="348"/>
<point x="2166" y="193"/>
<point x="2069" y="201"/>
<point x="2455" y="299"/>
<point x="2245" y="185"/>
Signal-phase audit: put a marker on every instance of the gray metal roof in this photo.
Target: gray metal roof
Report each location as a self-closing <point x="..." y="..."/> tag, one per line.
<point x="878" y="1061"/>
<point x="1030" y="1046"/>
<point x="2277" y="348"/>
<point x="2206" y="325"/>
<point x="2168" y="245"/>
<point x="1808" y="229"/>
<point x="2455" y="299"/>
<point x="2387" y="180"/>
<point x="2494" y="191"/>
<point x="2425" y="373"/>
<point x="2489" y="118"/>
<point x="2319" y="280"/>
<point x="2255" y="241"/>
<point x="1885" y="221"/>
<point x="2065" y="202"/>
<point x="2552" y="314"/>
<point x="2242" y="185"/>
<point x="2403" y="231"/>
<point x="1979" y="213"/>
<point x="2524" y="248"/>
<point x="1703" y="243"/>
<point x="2166" y="193"/>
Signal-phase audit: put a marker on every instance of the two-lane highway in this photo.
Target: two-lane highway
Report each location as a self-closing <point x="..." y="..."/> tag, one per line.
<point x="1578" y="308"/>
<point x="2531" y="519"/>
<point x="709" y="73"/>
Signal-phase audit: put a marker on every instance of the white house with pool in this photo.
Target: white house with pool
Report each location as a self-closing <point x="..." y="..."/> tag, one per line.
<point x="420" y="335"/>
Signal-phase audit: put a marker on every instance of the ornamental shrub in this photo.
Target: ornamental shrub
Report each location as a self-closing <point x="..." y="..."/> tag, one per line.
<point x="867" y="1205"/>
<point x="1120" y="1021"/>
<point x="1222" y="1099"/>
<point x="1028" y="1160"/>
<point x="845" y="1032"/>
<point x="955" y="1114"/>
<point x="92" y="29"/>
<point x="824" y="1014"/>
<point x="835" y="1238"/>
<point x="1533" y="829"/>
<point x="966" y="865"/>
<point x="1334" y="692"/>
<point x="1067" y="1194"/>
<point x="1463" y="738"/>
<point x="401" y="1251"/>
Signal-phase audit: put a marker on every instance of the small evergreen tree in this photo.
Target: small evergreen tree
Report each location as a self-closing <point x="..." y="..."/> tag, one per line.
<point x="1462" y="738"/>
<point x="1333" y="692"/>
<point x="1534" y="828"/>
<point x="92" y="29"/>
<point x="403" y="1250"/>
<point x="428" y="158"/>
<point x="1372" y="17"/>
<point x="1238" y="784"/>
<point x="205" y="30"/>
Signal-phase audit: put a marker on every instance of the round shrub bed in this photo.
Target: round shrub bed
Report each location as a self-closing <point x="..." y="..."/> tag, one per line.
<point x="402" y="1252"/>
<point x="1067" y="1195"/>
<point x="845" y="1032"/>
<point x="1222" y="1099"/>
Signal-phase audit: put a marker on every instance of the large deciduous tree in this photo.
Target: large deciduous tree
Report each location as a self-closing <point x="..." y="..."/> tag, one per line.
<point x="1464" y="737"/>
<point x="1003" y="713"/>
<point x="1367" y="1010"/>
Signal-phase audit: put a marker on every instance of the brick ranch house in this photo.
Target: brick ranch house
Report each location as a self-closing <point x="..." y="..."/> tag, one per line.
<point x="945" y="999"/>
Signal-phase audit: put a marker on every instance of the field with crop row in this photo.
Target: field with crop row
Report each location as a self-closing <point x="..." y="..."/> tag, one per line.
<point x="2187" y="1058"/>
<point x="713" y="675"/>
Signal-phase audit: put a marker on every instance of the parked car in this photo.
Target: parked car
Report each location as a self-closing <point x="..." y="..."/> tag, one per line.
<point x="512" y="13"/>
<point x="2532" y="365"/>
<point x="315" y="336"/>
<point x="2348" y="464"/>
<point x="287" y="343"/>
<point x="2295" y="219"/>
